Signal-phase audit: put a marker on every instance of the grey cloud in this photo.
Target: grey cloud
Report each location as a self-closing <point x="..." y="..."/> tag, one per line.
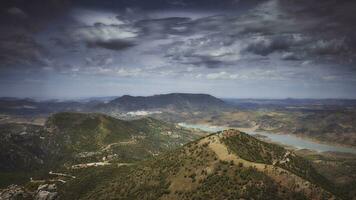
<point x="112" y="37"/>
<point x="204" y="50"/>
<point x="267" y="44"/>
<point x="265" y="47"/>
<point x="114" y="44"/>
<point x="330" y="47"/>
<point x="276" y="29"/>
<point x="205" y="61"/>
<point x="64" y="43"/>
<point x="21" y="50"/>
<point x="99" y="60"/>
<point x="163" y="26"/>
<point x="17" y="12"/>
<point x="330" y="23"/>
<point x="290" y="56"/>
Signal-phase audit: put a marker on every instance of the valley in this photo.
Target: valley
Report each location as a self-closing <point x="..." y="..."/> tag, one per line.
<point x="336" y="126"/>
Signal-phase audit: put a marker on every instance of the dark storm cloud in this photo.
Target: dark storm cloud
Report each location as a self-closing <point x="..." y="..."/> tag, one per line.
<point x="114" y="44"/>
<point x="291" y="31"/>
<point x="265" y="46"/>
<point x="51" y="7"/>
<point x="64" y="43"/>
<point x="202" y="61"/>
<point x="233" y="41"/>
<point x="294" y="31"/>
<point x="21" y="50"/>
<point x="331" y="24"/>
<point x="112" y="37"/>
<point x="20" y="21"/>
<point x="207" y="62"/>
<point x="17" y="12"/>
<point x="169" y="4"/>
<point x="38" y="8"/>
<point x="33" y="17"/>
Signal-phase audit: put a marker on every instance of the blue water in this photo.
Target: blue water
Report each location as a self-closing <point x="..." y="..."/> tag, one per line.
<point x="289" y="140"/>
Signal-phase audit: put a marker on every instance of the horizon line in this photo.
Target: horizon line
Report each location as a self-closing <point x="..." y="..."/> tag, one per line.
<point x="117" y="96"/>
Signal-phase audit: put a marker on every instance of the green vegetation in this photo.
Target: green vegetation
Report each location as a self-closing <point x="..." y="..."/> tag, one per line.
<point x="191" y="172"/>
<point x="337" y="168"/>
<point x="20" y="147"/>
<point x="129" y="140"/>
<point x="76" y="138"/>
<point x="217" y="166"/>
<point x="252" y="149"/>
<point x="232" y="182"/>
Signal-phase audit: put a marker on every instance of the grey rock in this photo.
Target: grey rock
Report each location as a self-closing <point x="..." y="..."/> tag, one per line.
<point x="46" y="195"/>
<point x="47" y="192"/>
<point x="14" y="192"/>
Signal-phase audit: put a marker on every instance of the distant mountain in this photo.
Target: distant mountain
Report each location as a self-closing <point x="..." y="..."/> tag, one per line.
<point x="104" y="99"/>
<point x="226" y="165"/>
<point x="173" y="101"/>
<point x="27" y="106"/>
<point x="290" y="102"/>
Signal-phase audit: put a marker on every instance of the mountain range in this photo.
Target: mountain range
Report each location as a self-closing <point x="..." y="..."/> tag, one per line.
<point x="173" y="101"/>
<point x="91" y="155"/>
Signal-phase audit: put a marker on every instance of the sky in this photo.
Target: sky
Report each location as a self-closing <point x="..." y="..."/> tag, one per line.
<point x="228" y="48"/>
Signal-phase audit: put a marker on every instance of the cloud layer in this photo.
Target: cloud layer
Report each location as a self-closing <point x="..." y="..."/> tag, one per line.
<point x="234" y="42"/>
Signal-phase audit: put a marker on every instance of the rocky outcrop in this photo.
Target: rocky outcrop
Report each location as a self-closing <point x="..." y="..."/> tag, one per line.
<point x="15" y="192"/>
<point x="46" y="192"/>
<point x="43" y="192"/>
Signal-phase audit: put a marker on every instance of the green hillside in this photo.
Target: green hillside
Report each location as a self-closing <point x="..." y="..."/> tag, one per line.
<point x="94" y="136"/>
<point x="254" y="150"/>
<point x="71" y="140"/>
<point x="20" y="146"/>
<point x="205" y="169"/>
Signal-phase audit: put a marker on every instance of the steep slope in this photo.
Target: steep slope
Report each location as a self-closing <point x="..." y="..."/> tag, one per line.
<point x="175" y="101"/>
<point x="210" y="168"/>
<point x="258" y="152"/>
<point x="20" y="147"/>
<point x="21" y="152"/>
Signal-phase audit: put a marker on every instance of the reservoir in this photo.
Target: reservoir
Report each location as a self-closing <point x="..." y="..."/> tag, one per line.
<point x="289" y="140"/>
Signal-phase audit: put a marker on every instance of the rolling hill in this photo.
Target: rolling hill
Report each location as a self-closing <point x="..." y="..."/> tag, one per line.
<point x="70" y="140"/>
<point x="94" y="136"/>
<point x="226" y="165"/>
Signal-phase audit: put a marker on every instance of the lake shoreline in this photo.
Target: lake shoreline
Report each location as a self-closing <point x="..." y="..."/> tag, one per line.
<point x="289" y="140"/>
